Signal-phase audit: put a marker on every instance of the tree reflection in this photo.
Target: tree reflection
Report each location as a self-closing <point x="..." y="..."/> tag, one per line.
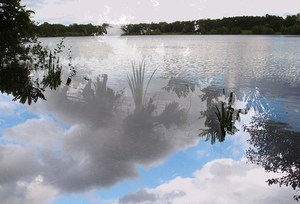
<point x="144" y="112"/>
<point x="220" y="116"/>
<point x="180" y="87"/>
<point x="95" y="104"/>
<point x="22" y="79"/>
<point x="276" y="147"/>
<point x="274" y="144"/>
<point x="15" y="80"/>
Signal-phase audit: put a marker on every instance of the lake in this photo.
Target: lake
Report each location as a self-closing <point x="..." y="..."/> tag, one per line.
<point x="203" y="115"/>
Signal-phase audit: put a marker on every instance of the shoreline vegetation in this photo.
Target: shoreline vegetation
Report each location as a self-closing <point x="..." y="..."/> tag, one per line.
<point x="239" y="25"/>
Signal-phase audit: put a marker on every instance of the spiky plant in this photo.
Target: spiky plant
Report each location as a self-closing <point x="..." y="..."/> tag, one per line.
<point x="227" y="117"/>
<point x="136" y="84"/>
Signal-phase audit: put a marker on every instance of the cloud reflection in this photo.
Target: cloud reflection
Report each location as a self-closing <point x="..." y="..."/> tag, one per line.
<point x="91" y="141"/>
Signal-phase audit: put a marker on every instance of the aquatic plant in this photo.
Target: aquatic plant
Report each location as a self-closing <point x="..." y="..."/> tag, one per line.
<point x="227" y="117"/>
<point x="136" y="84"/>
<point x="144" y="114"/>
<point x="220" y="119"/>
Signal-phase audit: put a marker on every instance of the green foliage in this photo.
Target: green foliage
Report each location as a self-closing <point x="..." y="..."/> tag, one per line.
<point x="268" y="24"/>
<point x="59" y="30"/>
<point x="262" y="30"/>
<point x="16" y="30"/>
<point x="235" y="30"/>
<point x="23" y="58"/>
<point x="291" y="30"/>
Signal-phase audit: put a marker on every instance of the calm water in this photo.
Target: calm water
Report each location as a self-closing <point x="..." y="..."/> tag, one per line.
<point x="95" y="134"/>
<point x="256" y="66"/>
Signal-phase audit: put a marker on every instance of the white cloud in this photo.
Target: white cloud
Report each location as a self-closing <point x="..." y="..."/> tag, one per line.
<point x="7" y="107"/>
<point x="32" y="191"/>
<point x="36" y="192"/>
<point x="100" y="148"/>
<point x="219" y="181"/>
<point x="37" y="133"/>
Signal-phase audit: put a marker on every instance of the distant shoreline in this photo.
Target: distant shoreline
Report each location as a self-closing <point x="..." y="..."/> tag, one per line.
<point x="167" y="34"/>
<point x="240" y="25"/>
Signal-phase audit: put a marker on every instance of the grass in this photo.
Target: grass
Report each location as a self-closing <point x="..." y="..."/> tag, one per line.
<point x="136" y="84"/>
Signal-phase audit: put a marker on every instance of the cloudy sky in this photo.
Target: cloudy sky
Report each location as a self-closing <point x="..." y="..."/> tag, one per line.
<point x="84" y="152"/>
<point x="74" y="156"/>
<point x="137" y="11"/>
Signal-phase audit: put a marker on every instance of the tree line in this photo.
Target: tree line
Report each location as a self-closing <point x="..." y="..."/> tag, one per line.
<point x="268" y="24"/>
<point x="59" y="30"/>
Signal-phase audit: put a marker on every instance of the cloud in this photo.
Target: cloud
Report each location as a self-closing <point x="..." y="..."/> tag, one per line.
<point x="33" y="3"/>
<point x="104" y="149"/>
<point x="147" y="197"/>
<point x="21" y="165"/>
<point x="141" y="196"/>
<point x="90" y="140"/>
<point x="33" y="192"/>
<point x="219" y="181"/>
<point x="92" y="11"/>
<point x="6" y="107"/>
<point x="19" y="177"/>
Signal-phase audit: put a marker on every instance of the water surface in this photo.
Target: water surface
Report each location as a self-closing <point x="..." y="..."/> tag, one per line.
<point x="94" y="135"/>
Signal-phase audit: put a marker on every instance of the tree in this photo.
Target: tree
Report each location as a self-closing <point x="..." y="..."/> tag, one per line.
<point x="235" y="30"/>
<point x="262" y="30"/>
<point x="16" y="30"/>
<point x="21" y="54"/>
<point x="276" y="147"/>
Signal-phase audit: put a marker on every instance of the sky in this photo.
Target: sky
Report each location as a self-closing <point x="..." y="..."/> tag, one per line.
<point x="146" y="11"/>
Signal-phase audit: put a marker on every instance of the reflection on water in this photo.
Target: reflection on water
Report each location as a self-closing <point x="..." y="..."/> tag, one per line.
<point x="276" y="147"/>
<point x="220" y="118"/>
<point x="114" y="118"/>
<point x="15" y="80"/>
<point x="95" y="99"/>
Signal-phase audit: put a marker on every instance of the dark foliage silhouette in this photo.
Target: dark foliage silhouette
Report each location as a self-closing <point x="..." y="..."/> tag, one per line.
<point x="276" y="147"/>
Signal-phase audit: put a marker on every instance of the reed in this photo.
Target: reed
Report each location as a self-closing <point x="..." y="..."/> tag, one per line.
<point x="136" y="84"/>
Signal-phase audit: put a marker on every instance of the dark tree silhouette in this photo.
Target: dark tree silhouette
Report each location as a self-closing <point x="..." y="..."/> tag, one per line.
<point x="276" y="147"/>
<point x="21" y="54"/>
<point x="59" y="30"/>
<point x="16" y="30"/>
<point x="267" y="24"/>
